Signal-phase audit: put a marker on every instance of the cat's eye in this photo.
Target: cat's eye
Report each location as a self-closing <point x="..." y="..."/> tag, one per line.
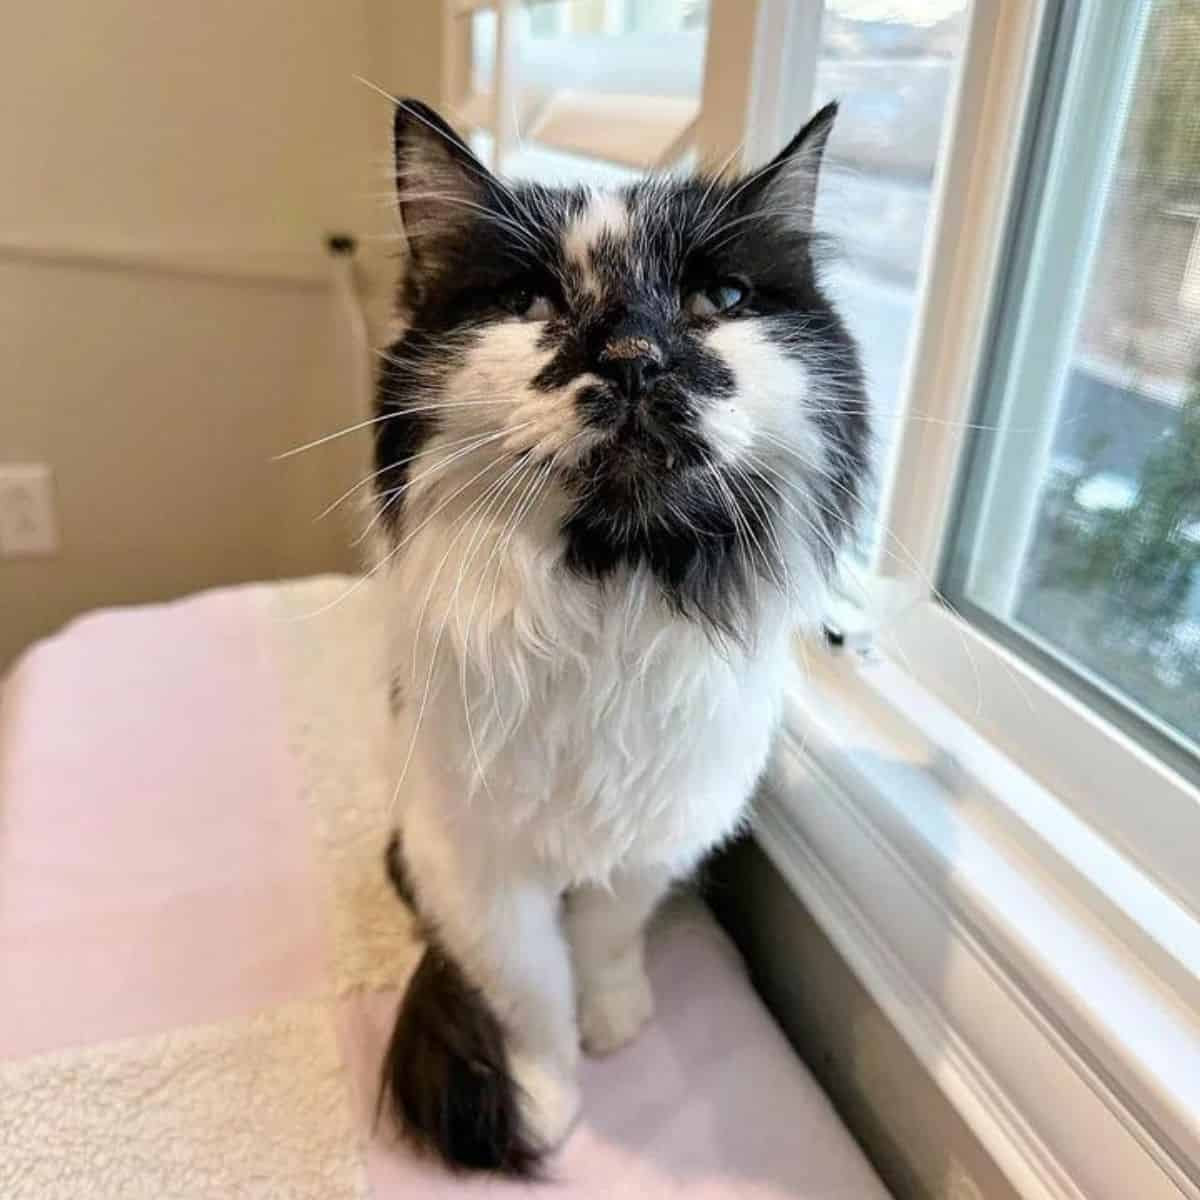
<point x="721" y="297"/>
<point x="527" y="304"/>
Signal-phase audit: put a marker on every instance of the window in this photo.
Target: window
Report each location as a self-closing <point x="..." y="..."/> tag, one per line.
<point x="892" y="64"/>
<point x="990" y="801"/>
<point x="1079" y="541"/>
<point x="603" y="89"/>
<point x="594" y="90"/>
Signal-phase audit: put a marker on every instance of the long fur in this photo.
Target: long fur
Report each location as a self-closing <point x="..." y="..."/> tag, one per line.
<point x="446" y="1073"/>
<point x="621" y="441"/>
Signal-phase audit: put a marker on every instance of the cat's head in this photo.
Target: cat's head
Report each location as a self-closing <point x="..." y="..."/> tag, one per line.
<point x="659" y="358"/>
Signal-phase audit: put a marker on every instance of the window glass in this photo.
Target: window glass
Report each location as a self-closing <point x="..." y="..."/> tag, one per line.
<point x="602" y="89"/>
<point x="891" y="64"/>
<point x="1081" y="513"/>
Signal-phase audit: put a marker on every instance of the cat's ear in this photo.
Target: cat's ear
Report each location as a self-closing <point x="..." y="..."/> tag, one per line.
<point x="787" y="185"/>
<point x="440" y="184"/>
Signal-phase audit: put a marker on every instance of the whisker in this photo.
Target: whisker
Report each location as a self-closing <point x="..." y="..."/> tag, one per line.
<point x="475" y="505"/>
<point x="433" y="653"/>
<point x="465" y="626"/>
<point x="387" y="500"/>
<point x="498" y="219"/>
<point x="486" y="176"/>
<point x="383" y="562"/>
<point x="502" y="548"/>
<point x="912" y="564"/>
<point x="329" y="437"/>
<point x="753" y="493"/>
<point x="524" y="506"/>
<point x="388" y="416"/>
<point x="905" y="414"/>
<point x="736" y="517"/>
<point x="400" y="462"/>
<point x="750" y="179"/>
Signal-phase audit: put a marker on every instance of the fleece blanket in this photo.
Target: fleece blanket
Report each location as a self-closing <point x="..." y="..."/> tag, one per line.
<point x="200" y="957"/>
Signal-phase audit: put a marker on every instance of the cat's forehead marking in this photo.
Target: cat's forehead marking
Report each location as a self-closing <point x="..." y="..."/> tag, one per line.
<point x="604" y="217"/>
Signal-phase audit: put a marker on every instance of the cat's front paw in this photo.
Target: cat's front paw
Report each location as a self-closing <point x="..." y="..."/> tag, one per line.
<point x="549" y="1100"/>
<point x="610" y="1017"/>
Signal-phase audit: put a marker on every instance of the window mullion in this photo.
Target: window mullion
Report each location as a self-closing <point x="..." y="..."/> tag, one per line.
<point x="786" y="51"/>
<point x="759" y="77"/>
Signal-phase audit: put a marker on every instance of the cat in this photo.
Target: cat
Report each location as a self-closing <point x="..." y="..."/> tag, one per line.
<point x="621" y="440"/>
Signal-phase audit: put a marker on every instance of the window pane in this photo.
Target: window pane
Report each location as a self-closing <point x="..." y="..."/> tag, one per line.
<point x="891" y="63"/>
<point x="1082" y="519"/>
<point x="602" y="89"/>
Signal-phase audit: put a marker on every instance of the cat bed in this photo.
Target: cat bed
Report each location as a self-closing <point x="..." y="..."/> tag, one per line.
<point x="199" y="954"/>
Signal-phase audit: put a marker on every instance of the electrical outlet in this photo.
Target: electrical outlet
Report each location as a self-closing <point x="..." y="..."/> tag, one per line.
<point x="27" y="524"/>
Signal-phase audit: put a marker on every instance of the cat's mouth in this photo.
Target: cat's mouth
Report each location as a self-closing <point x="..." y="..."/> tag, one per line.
<point x="624" y="448"/>
<point x="632" y="459"/>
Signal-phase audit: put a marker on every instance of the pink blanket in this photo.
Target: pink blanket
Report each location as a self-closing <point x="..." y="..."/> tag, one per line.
<point x="199" y="955"/>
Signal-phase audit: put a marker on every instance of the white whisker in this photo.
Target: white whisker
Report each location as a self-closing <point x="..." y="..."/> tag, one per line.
<point x="391" y="466"/>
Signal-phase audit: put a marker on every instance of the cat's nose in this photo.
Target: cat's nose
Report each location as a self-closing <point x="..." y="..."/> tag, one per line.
<point x="632" y="363"/>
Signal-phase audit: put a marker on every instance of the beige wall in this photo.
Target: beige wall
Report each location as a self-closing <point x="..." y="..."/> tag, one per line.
<point x="218" y="141"/>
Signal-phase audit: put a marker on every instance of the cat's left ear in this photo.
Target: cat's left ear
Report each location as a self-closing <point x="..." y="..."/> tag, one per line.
<point x="440" y="185"/>
<point x="787" y="185"/>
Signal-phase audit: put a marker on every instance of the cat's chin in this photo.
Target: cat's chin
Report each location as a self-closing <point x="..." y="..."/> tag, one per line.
<point x="622" y="481"/>
<point x="633" y="458"/>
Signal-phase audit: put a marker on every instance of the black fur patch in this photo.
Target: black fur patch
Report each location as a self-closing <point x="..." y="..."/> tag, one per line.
<point x="652" y="495"/>
<point x="445" y="1079"/>
<point x="700" y="553"/>
<point x="408" y="388"/>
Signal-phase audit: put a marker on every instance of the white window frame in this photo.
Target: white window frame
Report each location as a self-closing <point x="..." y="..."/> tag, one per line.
<point x="1015" y="877"/>
<point x="1011" y="702"/>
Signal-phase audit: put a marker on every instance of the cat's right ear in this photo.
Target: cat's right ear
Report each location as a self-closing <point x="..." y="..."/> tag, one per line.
<point x="440" y="184"/>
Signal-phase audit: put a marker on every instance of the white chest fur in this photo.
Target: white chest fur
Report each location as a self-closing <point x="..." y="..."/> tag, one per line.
<point x="586" y="728"/>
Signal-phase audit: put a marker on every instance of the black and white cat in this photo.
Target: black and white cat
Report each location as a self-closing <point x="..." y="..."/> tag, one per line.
<point x="621" y="439"/>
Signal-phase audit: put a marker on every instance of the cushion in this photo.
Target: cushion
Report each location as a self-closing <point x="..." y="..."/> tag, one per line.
<point x="200" y="956"/>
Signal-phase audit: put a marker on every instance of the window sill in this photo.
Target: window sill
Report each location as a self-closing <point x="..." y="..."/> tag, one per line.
<point x="1061" y="1020"/>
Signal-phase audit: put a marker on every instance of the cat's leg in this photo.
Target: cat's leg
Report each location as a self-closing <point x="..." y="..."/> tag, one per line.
<point x="606" y="931"/>
<point x="495" y="930"/>
<point x="520" y="956"/>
